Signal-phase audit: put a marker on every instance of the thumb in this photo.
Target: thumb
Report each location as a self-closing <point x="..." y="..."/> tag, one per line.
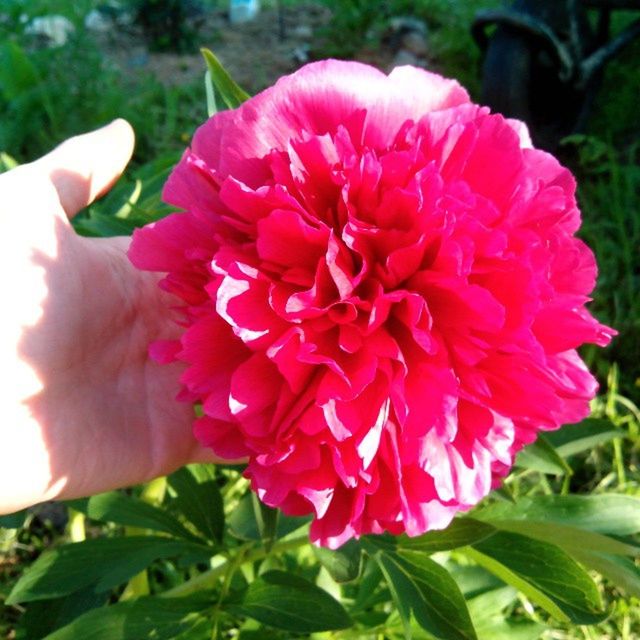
<point x="86" y="166"/>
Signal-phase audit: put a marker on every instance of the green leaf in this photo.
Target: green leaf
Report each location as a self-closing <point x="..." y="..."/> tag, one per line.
<point x="542" y="456"/>
<point x="105" y="562"/>
<point x="212" y="107"/>
<point x="422" y="586"/>
<point x="584" y="436"/>
<point x="198" y="499"/>
<point x="498" y="629"/>
<point x="544" y="573"/>
<point x="368" y="592"/>
<point x="490" y="618"/>
<point x="613" y="514"/>
<point x="622" y="572"/>
<point x="122" y="509"/>
<point x="473" y="580"/>
<point x="343" y="564"/>
<point x="460" y="533"/>
<point x="145" y="617"/>
<point x="7" y="162"/>
<point x="45" y="616"/>
<point x="13" y="520"/>
<point x="288" y="602"/>
<point x="102" y="226"/>
<point x="132" y="203"/>
<point x="232" y="95"/>
<point x="243" y="524"/>
<point x="491" y="603"/>
<point x="17" y="73"/>
<point x="567" y="537"/>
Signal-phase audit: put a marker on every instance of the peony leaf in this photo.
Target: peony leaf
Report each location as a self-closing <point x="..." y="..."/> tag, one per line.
<point x="45" y="616"/>
<point x="613" y="514"/>
<point x="146" y="617"/>
<point x="425" y="588"/>
<point x="122" y="509"/>
<point x="569" y="538"/>
<point x="460" y="533"/>
<point x="343" y="564"/>
<point x="132" y="203"/>
<point x="198" y="499"/>
<point x="288" y="602"/>
<point x="622" y="572"/>
<point x="544" y="573"/>
<point x="577" y="438"/>
<point x="13" y="520"/>
<point x="542" y="456"/>
<point x="212" y="107"/>
<point x="488" y="614"/>
<point x="243" y="524"/>
<point x="232" y="95"/>
<point x="105" y="562"/>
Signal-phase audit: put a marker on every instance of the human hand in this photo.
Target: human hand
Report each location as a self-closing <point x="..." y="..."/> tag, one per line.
<point x="82" y="408"/>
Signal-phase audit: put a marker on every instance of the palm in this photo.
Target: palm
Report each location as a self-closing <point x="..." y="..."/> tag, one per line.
<point x="125" y="402"/>
<point x="84" y="409"/>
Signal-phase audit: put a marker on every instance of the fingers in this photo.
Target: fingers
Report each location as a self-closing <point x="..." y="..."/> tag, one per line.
<point x="86" y="166"/>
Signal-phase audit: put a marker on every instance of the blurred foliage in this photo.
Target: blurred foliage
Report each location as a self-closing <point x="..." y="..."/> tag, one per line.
<point x="50" y="93"/>
<point x="363" y="24"/>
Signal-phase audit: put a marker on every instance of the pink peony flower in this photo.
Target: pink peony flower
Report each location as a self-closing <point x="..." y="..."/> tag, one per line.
<point x="381" y="295"/>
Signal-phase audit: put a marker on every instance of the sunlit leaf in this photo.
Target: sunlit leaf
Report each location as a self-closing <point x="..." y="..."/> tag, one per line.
<point x="544" y="573"/>
<point x="232" y="95"/>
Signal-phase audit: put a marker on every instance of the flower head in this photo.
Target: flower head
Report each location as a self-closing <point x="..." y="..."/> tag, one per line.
<point x="381" y="295"/>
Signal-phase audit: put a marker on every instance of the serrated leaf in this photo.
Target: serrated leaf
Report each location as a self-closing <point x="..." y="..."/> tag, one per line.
<point x="423" y="587"/>
<point x="122" y="509"/>
<point x="343" y="564"/>
<point x="145" y="617"/>
<point x="198" y="499"/>
<point x="460" y="533"/>
<point x="613" y="514"/>
<point x="288" y="602"/>
<point x="232" y="95"/>
<point x="105" y="562"/>
<point x="544" y="573"/>
<point x="542" y="456"/>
